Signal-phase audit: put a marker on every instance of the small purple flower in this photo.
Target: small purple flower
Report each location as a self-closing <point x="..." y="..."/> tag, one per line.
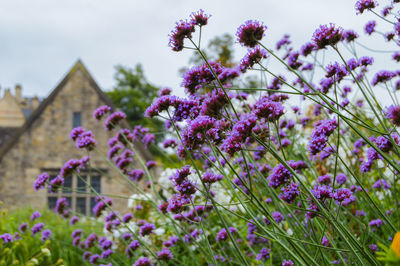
<point x="23" y="227"/>
<point x="370" y="27"/>
<point x="381" y="183"/>
<point x="143" y="261"/>
<point x="267" y="109"/>
<point x="210" y="177"/>
<point x="94" y="258"/>
<point x="393" y="113"/>
<point x="106" y="253"/>
<point x="147" y="229"/>
<point x="183" y="29"/>
<point x="327" y="35"/>
<point x="374" y="224"/>
<point x="74" y="220"/>
<point x="105" y="243"/>
<point x="113" y="120"/>
<point x="320" y="134"/>
<point x="250" y="32"/>
<point x="223" y="234"/>
<point x="45" y="234"/>
<point x="200" y="18"/>
<point x="37" y="228"/>
<point x="360" y="213"/>
<point x="86" y="255"/>
<point x="349" y="35"/>
<point x="287" y="263"/>
<point x="40" y="181"/>
<point x="187" y="187"/>
<point x="290" y="192"/>
<point x="61" y="206"/>
<point x="170" y="143"/>
<point x="76" y="233"/>
<point x="278" y="217"/>
<point x="35" y="215"/>
<point x="252" y="57"/>
<point x="134" y="245"/>
<point x="283" y="42"/>
<point x="373" y="247"/>
<point x="383" y="77"/>
<point x="7" y="238"/>
<point x="343" y="196"/>
<point x="362" y="5"/>
<point x="263" y="255"/>
<point x="127" y="217"/>
<point x="325" y="242"/>
<point x="165" y="254"/>
<point x="136" y="174"/>
<point x="280" y="175"/>
<point x="341" y="178"/>
<point x="101" y="111"/>
<point x="164" y="91"/>
<point x="324" y="179"/>
<point x="307" y="48"/>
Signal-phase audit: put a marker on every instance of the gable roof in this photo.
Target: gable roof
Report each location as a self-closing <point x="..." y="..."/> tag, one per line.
<point x="39" y="110"/>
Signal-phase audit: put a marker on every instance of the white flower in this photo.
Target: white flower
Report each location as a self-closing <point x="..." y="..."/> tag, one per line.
<point x="135" y="197"/>
<point x="159" y="231"/>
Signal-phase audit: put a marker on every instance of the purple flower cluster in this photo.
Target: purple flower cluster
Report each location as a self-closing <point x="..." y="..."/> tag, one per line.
<point x="370" y="27"/>
<point x="240" y="132"/>
<point x="101" y="111"/>
<point x="265" y="108"/>
<point x="290" y="192"/>
<point x="327" y="35"/>
<point x="320" y="134"/>
<point x="40" y="181"/>
<point x="113" y="120"/>
<point x="382" y="77"/>
<point x="37" y="228"/>
<point x="84" y="139"/>
<point x="223" y="234"/>
<point x="250" y="32"/>
<point x="252" y="57"/>
<point x="362" y="5"/>
<point x="200" y="76"/>
<point x="393" y="113"/>
<point x="210" y="177"/>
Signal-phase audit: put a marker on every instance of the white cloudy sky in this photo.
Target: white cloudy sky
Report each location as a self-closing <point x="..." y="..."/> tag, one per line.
<point x="40" y="40"/>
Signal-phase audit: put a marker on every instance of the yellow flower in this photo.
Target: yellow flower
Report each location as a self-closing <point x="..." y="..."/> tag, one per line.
<point x="396" y="244"/>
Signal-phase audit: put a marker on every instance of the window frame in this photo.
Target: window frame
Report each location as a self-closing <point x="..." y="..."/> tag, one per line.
<point x="73" y="194"/>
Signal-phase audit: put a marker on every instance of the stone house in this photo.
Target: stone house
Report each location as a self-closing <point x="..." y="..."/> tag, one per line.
<point x="34" y="138"/>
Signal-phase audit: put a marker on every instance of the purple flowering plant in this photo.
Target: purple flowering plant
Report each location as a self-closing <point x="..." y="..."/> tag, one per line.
<point x="278" y="177"/>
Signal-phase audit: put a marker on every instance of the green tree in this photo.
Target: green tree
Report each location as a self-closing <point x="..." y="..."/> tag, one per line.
<point x="132" y="94"/>
<point x="220" y="49"/>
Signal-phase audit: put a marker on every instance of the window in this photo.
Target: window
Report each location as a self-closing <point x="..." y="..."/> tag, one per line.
<point x="76" y="119"/>
<point x="80" y="196"/>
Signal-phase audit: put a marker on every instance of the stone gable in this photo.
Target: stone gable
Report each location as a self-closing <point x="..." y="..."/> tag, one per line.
<point x="44" y="144"/>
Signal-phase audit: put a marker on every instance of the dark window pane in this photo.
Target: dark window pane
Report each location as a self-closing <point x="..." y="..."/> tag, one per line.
<point x="67" y="184"/>
<point x="69" y="200"/>
<point x="95" y="183"/>
<point x="76" y="120"/>
<point x="51" y="202"/>
<point x="81" y="205"/>
<point x="92" y="204"/>
<point x="81" y="184"/>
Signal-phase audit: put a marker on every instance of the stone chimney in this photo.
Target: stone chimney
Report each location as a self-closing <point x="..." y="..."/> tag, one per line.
<point x="35" y="102"/>
<point x="18" y="93"/>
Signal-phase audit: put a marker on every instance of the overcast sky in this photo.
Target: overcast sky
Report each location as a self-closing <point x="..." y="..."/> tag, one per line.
<point x="40" y="40"/>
